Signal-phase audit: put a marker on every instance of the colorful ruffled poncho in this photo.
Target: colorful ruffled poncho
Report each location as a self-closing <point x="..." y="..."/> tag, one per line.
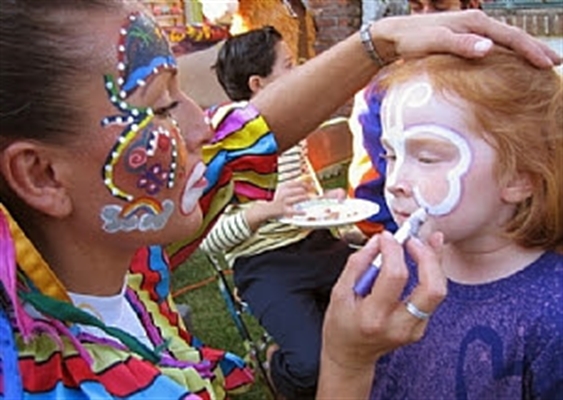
<point x="44" y="354"/>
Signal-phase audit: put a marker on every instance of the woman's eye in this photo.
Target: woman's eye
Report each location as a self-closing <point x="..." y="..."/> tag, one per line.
<point x="164" y="112"/>
<point x="388" y="157"/>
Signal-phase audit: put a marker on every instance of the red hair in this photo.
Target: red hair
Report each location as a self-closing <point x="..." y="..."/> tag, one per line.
<point x="519" y="109"/>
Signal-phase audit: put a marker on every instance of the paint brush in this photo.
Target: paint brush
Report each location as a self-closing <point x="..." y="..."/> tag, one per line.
<point x="409" y="228"/>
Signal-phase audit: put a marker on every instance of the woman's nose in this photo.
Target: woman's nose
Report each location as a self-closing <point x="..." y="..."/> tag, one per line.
<point x="194" y="125"/>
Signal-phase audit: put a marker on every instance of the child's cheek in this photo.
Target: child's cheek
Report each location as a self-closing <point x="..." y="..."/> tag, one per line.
<point x="432" y="188"/>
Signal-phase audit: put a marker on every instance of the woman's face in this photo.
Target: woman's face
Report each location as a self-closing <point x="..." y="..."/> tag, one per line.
<point x="437" y="161"/>
<point x="143" y="173"/>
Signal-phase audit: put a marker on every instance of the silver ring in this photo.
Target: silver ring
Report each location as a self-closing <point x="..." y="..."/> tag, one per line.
<point x="415" y="312"/>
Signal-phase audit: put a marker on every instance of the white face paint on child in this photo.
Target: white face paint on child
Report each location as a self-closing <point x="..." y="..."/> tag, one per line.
<point x="427" y="153"/>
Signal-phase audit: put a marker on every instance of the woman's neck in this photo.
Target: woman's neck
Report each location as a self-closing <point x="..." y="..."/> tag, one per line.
<point x="86" y="265"/>
<point x="94" y="276"/>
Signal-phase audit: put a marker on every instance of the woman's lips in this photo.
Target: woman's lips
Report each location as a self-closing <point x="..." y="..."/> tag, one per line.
<point x="194" y="188"/>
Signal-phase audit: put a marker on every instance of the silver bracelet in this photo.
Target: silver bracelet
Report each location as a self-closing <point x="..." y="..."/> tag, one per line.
<point x="369" y="47"/>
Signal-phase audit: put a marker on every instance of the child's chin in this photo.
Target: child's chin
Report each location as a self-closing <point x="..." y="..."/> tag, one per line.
<point x="425" y="231"/>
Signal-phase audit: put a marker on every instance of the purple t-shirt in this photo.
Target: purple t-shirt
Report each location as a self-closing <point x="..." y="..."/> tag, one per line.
<point x="501" y="340"/>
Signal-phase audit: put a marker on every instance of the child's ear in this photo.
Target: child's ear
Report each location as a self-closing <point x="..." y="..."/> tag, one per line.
<point x="255" y="84"/>
<point x="518" y="188"/>
<point x="33" y="173"/>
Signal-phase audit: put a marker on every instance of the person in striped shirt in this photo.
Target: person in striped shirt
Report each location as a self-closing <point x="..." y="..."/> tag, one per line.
<point x="285" y="273"/>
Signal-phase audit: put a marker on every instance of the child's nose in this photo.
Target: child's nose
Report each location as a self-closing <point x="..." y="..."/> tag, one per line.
<point x="400" y="183"/>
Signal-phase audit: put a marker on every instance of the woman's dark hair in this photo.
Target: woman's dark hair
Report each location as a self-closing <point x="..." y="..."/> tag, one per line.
<point x="44" y="53"/>
<point x="244" y="55"/>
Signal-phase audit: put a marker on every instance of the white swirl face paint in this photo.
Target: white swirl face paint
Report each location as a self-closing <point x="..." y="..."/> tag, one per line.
<point x="425" y="148"/>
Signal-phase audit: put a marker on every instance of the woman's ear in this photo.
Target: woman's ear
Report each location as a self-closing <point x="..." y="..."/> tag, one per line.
<point x="31" y="171"/>
<point x="518" y="188"/>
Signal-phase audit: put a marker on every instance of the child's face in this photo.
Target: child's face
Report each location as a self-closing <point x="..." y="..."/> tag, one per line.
<point x="436" y="161"/>
<point x="284" y="63"/>
<point x="148" y="173"/>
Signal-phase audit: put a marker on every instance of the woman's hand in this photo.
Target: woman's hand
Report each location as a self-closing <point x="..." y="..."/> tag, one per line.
<point x="358" y="331"/>
<point x="467" y="33"/>
<point x="315" y="89"/>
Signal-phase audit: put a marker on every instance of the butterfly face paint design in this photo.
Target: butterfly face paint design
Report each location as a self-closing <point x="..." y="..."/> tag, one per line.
<point x="143" y="163"/>
<point x="435" y="156"/>
<point x="143" y="51"/>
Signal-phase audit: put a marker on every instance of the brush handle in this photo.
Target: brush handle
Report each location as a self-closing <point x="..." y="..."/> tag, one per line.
<point x="363" y="286"/>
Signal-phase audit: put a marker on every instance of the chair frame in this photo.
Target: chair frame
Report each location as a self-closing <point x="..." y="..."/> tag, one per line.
<point x="237" y="308"/>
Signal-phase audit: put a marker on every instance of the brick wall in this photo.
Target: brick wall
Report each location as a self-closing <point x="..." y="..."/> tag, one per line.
<point x="335" y="20"/>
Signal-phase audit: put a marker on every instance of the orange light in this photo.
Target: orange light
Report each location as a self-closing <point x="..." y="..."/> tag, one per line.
<point x="218" y="10"/>
<point x="238" y="25"/>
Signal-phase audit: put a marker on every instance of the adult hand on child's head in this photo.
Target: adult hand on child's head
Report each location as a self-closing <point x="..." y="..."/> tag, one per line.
<point x="358" y="331"/>
<point x="468" y="33"/>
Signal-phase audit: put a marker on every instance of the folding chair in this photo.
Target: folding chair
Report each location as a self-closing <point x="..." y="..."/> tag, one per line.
<point x="254" y="348"/>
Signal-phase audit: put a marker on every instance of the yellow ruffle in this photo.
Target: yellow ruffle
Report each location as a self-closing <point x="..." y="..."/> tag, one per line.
<point x="32" y="264"/>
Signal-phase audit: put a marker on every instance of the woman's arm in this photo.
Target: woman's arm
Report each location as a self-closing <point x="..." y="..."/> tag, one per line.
<point x="297" y="103"/>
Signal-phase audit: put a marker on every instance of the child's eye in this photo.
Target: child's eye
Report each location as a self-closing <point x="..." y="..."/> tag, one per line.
<point x="164" y="112"/>
<point x="428" y="159"/>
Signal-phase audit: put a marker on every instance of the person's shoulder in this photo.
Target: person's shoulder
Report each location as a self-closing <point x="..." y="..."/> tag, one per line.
<point x="551" y="262"/>
<point x="547" y="273"/>
<point x="546" y="281"/>
<point x="219" y="112"/>
<point x="238" y="118"/>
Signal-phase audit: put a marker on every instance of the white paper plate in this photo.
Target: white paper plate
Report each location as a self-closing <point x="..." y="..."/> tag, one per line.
<point x="327" y="213"/>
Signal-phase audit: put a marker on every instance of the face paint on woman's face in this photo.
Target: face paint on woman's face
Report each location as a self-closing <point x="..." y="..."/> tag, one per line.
<point x="149" y="156"/>
<point x="425" y="158"/>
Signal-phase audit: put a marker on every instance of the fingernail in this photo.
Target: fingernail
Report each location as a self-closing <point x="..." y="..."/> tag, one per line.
<point x="483" y="45"/>
<point x="549" y="62"/>
<point x="440" y="239"/>
<point x="373" y="241"/>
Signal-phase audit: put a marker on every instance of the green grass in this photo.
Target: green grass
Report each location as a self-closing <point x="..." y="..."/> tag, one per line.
<point x="211" y="320"/>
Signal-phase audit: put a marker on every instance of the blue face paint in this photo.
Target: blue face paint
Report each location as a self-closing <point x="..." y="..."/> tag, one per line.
<point x="143" y="51"/>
